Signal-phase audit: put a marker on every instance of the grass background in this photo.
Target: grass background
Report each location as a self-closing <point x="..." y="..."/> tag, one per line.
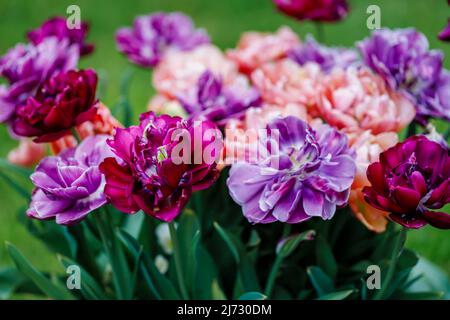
<point x="225" y="21"/>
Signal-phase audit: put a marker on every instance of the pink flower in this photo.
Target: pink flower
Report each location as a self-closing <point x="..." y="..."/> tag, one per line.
<point x="179" y="70"/>
<point x="257" y="48"/>
<point x="27" y="154"/>
<point x="357" y="99"/>
<point x="285" y="82"/>
<point x="368" y="148"/>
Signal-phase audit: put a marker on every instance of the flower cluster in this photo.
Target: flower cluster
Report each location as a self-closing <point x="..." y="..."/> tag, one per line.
<point x="307" y="129"/>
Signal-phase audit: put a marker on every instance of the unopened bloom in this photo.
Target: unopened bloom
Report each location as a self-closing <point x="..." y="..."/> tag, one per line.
<point x="316" y="10"/>
<point x="57" y="27"/>
<point x="27" y="67"/>
<point x="163" y="236"/>
<point x="308" y="174"/>
<point x="256" y="48"/>
<point x="27" y="154"/>
<point x="285" y="82"/>
<point x="211" y="100"/>
<point x="161" y="162"/>
<point x="327" y="57"/>
<point x="180" y="70"/>
<point x="152" y="35"/>
<point x="403" y="59"/>
<point x="411" y="181"/>
<point x="161" y="263"/>
<point x="368" y="148"/>
<point x="70" y="186"/>
<point x="63" y="102"/>
<point x="356" y="99"/>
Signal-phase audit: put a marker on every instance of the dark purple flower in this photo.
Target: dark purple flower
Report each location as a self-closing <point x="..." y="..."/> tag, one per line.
<point x="308" y="176"/>
<point x="152" y="174"/>
<point x="211" y="100"/>
<point x="327" y="57"/>
<point x="62" y="102"/>
<point x="57" y="27"/>
<point x="411" y="180"/>
<point x="316" y="10"/>
<point x="403" y="59"/>
<point x="26" y="67"/>
<point x="444" y="35"/>
<point x="70" y="186"/>
<point x="151" y="35"/>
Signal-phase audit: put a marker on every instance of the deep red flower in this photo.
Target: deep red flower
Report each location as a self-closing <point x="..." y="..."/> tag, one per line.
<point x="410" y="181"/>
<point x="316" y="10"/>
<point x="61" y="103"/>
<point x="147" y="177"/>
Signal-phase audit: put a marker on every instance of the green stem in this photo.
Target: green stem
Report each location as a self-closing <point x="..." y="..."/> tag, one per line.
<point x="273" y="275"/>
<point x="320" y="32"/>
<point x="393" y="262"/>
<point x="76" y="135"/>
<point x="177" y="257"/>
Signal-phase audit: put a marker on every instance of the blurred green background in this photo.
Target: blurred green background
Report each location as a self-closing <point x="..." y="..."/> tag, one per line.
<point x="224" y="21"/>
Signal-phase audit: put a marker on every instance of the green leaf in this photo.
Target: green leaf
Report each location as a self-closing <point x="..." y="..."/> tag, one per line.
<point x="426" y="295"/>
<point x="133" y="224"/>
<point x="90" y="289"/>
<point x="156" y="283"/>
<point x="187" y="231"/>
<point x="52" y="290"/>
<point x="16" y="186"/>
<point x="121" y="273"/>
<point x="325" y="257"/>
<point x="338" y="295"/>
<point x="253" y="296"/>
<point x="56" y="237"/>
<point x="322" y="283"/>
<point x="10" y="280"/>
<point x="9" y="167"/>
<point x="223" y="234"/>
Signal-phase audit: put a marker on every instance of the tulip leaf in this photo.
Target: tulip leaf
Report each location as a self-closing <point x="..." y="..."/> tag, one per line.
<point x="252" y="296"/>
<point x="156" y="283"/>
<point x="52" y="290"/>
<point x="10" y="281"/>
<point x="338" y="295"/>
<point x="223" y="234"/>
<point x="90" y="289"/>
<point x="321" y="282"/>
<point x="325" y="258"/>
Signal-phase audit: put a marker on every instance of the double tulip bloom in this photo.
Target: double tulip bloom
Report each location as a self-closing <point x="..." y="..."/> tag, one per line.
<point x="146" y="175"/>
<point x="410" y="182"/>
<point x="63" y="102"/>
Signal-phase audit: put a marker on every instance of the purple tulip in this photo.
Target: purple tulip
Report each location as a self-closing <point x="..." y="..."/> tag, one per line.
<point x="327" y="57"/>
<point x="312" y="176"/>
<point x="403" y="59"/>
<point x="151" y="35"/>
<point x="57" y="27"/>
<point x="70" y="186"/>
<point x="411" y="180"/>
<point x="212" y="101"/>
<point x="26" y="67"/>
